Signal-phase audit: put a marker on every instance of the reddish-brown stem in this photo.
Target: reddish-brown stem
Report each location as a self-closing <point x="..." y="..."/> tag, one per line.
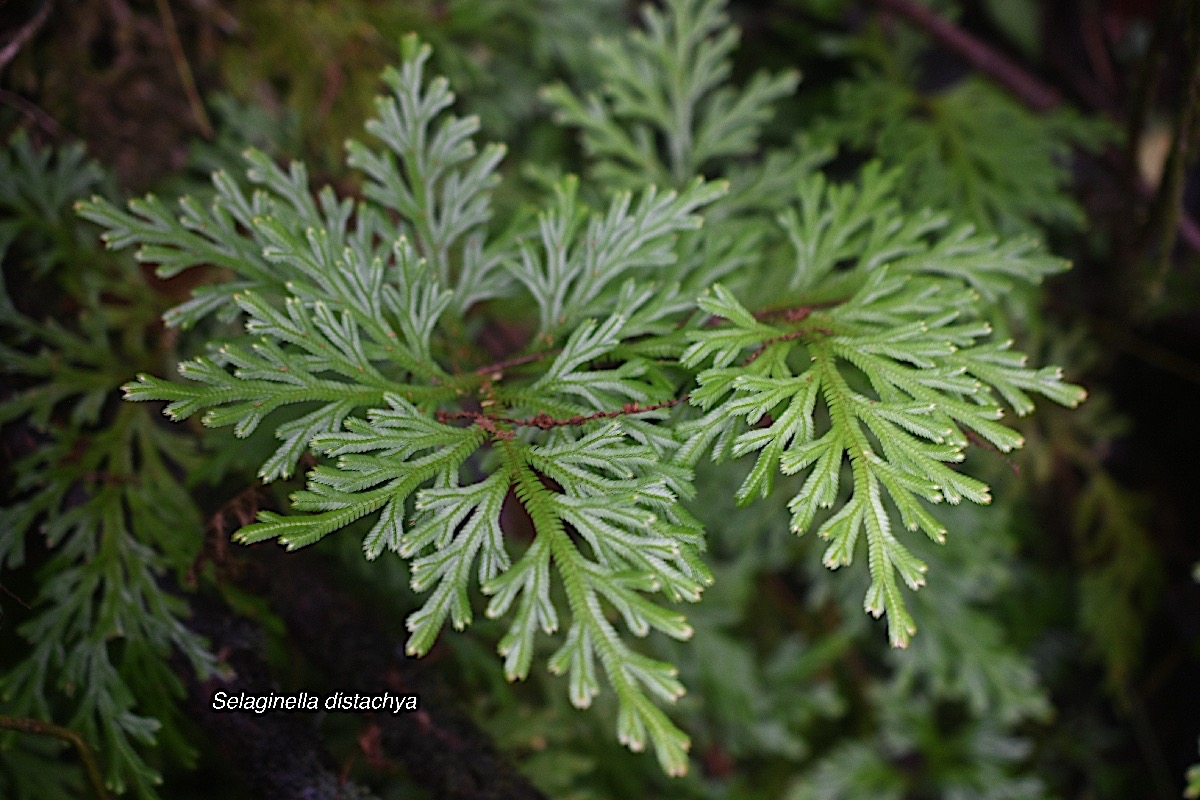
<point x="1028" y="88"/>
<point x="32" y="110"/>
<point x="978" y="440"/>
<point x="1166" y="211"/>
<point x="42" y="728"/>
<point x="184" y="68"/>
<point x="1020" y="83"/>
<point x="762" y="348"/>
<point x="15" y="596"/>
<point x="546" y="421"/>
<point x="516" y="361"/>
<point x="26" y="32"/>
<point x="797" y="314"/>
<point x="1096" y="46"/>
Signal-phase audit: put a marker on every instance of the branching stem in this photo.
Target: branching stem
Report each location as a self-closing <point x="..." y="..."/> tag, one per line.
<point x="41" y="728"/>
<point x="516" y="361"/>
<point x="762" y="348"/>
<point x="546" y="421"/>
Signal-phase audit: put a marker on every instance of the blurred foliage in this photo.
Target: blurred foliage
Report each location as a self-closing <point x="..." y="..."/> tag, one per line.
<point x="271" y="59"/>
<point x="971" y="148"/>
<point x="101" y="485"/>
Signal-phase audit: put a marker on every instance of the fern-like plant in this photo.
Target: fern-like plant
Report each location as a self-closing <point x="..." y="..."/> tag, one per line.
<point x="99" y="481"/>
<point x="967" y="147"/>
<point x="823" y="328"/>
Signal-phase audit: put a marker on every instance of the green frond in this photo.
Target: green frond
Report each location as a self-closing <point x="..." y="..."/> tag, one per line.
<point x="970" y="148"/>
<point x="431" y="175"/>
<point x="722" y="345"/>
<point x="96" y="489"/>
<point x="882" y="363"/>
<point x="381" y="462"/>
<point x="613" y="535"/>
<point x="458" y="526"/>
<point x="582" y="258"/>
<point x="670" y="82"/>
<point x="43" y="181"/>
<point x="568" y="381"/>
<point x="198" y="236"/>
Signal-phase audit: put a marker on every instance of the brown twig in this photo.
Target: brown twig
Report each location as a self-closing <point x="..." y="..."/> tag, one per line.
<point x="499" y="366"/>
<point x="1095" y="46"/>
<point x="796" y="314"/>
<point x="1167" y="209"/>
<point x="1027" y="88"/>
<point x="543" y="421"/>
<point x="762" y="348"/>
<point x="15" y="596"/>
<point x="32" y="110"/>
<point x="24" y="34"/>
<point x="1031" y="91"/>
<point x="238" y="512"/>
<point x="979" y="441"/>
<point x="1148" y="75"/>
<point x="546" y="421"/>
<point x="335" y="81"/>
<point x="42" y="728"/>
<point x="1189" y="232"/>
<point x="1161" y="358"/>
<point x="184" y="68"/>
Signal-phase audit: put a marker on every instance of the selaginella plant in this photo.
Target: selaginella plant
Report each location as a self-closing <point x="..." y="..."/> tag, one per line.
<point x="100" y="482"/>
<point x="820" y="327"/>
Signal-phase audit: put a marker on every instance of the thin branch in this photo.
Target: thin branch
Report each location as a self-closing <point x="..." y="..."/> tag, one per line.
<point x="979" y="441"/>
<point x="797" y="314"/>
<point x="41" y="728"/>
<point x="545" y="421"/>
<point x="499" y="366"/>
<point x="792" y="315"/>
<point x="184" y="68"/>
<point x="26" y="32"/>
<point x="236" y="513"/>
<point x="1149" y="73"/>
<point x="762" y="348"/>
<point x="1167" y="209"/>
<point x="15" y="596"/>
<point x="1189" y="232"/>
<point x="1031" y="91"/>
<point x="1161" y="358"/>
<point x="1026" y="87"/>
<point x="1096" y="46"/>
<point x="30" y="109"/>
